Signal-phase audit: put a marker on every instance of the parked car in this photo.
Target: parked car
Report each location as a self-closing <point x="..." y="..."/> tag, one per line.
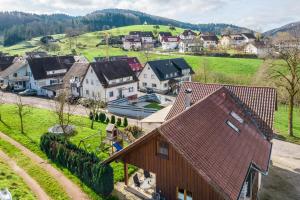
<point x="149" y="90"/>
<point x="28" y="92"/>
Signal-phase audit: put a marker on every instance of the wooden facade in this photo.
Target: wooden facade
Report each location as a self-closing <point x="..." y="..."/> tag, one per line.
<point x="172" y="173"/>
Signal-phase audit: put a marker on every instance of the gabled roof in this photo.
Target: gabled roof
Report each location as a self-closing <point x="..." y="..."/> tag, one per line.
<point x="165" y="34"/>
<point x="261" y="102"/>
<point x="40" y="66"/>
<point x="216" y="151"/>
<point x="170" y="39"/>
<point x="13" y="68"/>
<point x="188" y="32"/>
<point x="210" y="38"/>
<point x="146" y="34"/>
<point x="112" y="70"/>
<point x="133" y="62"/>
<point x="6" y="61"/>
<point x="77" y="70"/>
<point x="249" y="35"/>
<point x="163" y="67"/>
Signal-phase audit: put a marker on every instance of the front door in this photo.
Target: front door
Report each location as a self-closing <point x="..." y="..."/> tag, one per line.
<point x="120" y="93"/>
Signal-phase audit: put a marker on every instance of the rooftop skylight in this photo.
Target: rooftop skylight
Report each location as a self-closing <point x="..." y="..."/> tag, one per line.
<point x="231" y="125"/>
<point x="237" y="117"/>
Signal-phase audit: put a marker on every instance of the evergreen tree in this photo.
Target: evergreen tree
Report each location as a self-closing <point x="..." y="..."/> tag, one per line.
<point x="113" y="119"/>
<point x="119" y="121"/>
<point x="125" y="122"/>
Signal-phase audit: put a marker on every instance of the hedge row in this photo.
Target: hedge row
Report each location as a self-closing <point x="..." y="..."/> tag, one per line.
<point x="86" y="166"/>
<point x="226" y="55"/>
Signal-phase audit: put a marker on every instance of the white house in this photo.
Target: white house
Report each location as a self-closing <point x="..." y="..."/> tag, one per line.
<point x="47" y="73"/>
<point x="132" y="43"/>
<point x="194" y="45"/>
<point x="170" y="42"/>
<point x="163" y="76"/>
<point x="161" y="35"/>
<point x="234" y="41"/>
<point x="209" y="41"/>
<point x="17" y="75"/>
<point x="257" y="48"/>
<point x="187" y="35"/>
<point x="249" y="37"/>
<point x="109" y="81"/>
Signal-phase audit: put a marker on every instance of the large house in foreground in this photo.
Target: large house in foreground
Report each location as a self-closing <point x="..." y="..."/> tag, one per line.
<point x="163" y="76"/>
<point x="212" y="146"/>
<point x="109" y="80"/>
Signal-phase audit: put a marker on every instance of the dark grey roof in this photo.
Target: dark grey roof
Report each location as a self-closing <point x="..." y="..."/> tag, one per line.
<point x="165" y="34"/>
<point x="188" y="32"/>
<point x="112" y="70"/>
<point x="40" y="66"/>
<point x="142" y="33"/>
<point x="6" y="61"/>
<point x="110" y="58"/>
<point x="78" y="69"/>
<point x="162" y="68"/>
<point x="210" y="38"/>
<point x="249" y="35"/>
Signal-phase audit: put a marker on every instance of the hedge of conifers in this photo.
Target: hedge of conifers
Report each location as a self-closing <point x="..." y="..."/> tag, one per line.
<point x="86" y="166"/>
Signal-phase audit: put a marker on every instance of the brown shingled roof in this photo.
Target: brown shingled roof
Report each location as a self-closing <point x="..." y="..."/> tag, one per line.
<point x="217" y="152"/>
<point x="261" y="102"/>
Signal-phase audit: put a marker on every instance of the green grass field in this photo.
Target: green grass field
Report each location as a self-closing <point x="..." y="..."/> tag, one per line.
<point x="15" y="184"/>
<point x="38" y="122"/>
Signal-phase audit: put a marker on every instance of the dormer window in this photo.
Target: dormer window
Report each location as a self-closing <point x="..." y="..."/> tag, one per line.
<point x="237" y="117"/>
<point x="231" y="125"/>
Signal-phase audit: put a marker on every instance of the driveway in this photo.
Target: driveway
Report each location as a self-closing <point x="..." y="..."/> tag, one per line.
<point x="283" y="181"/>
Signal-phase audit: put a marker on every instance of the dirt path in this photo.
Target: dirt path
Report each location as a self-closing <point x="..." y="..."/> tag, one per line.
<point x="283" y="181"/>
<point x="31" y="183"/>
<point x="73" y="191"/>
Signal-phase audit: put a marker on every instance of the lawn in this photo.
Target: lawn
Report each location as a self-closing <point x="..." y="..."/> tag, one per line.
<point x="154" y="106"/>
<point x="38" y="122"/>
<point x="281" y="124"/>
<point x="15" y="184"/>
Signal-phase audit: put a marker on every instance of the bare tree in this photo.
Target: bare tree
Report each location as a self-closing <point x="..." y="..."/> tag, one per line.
<point x="63" y="110"/>
<point x="22" y="111"/>
<point x="286" y="71"/>
<point x="94" y="107"/>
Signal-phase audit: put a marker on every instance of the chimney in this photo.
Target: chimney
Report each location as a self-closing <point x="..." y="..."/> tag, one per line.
<point x="188" y="98"/>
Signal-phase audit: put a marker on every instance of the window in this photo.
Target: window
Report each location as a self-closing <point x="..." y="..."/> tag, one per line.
<point x="93" y="94"/>
<point x="154" y="85"/>
<point x="166" y="85"/>
<point x="184" y="194"/>
<point x="237" y="117"/>
<point x="145" y="75"/>
<point x="162" y="149"/>
<point x="15" y="74"/>
<point x="131" y="89"/>
<point x="92" y="71"/>
<point x="87" y="81"/>
<point x="92" y="82"/>
<point x="229" y="123"/>
<point x="111" y="94"/>
<point x="152" y="76"/>
<point x="167" y="76"/>
<point x="144" y="84"/>
<point x="87" y="92"/>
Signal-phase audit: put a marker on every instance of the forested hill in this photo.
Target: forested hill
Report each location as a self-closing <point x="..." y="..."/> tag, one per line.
<point x="18" y="26"/>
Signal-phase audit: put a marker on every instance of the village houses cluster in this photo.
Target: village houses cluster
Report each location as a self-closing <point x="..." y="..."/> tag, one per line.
<point x="191" y="42"/>
<point x="105" y="78"/>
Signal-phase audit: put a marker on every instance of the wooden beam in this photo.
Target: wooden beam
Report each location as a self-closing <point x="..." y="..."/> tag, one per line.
<point x="126" y="173"/>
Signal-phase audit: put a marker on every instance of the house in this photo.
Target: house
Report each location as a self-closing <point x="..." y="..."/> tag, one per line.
<point x="161" y="35"/>
<point x="46" y="73"/>
<point x="132" y="43"/>
<point x="163" y="76"/>
<point x="258" y="48"/>
<point x="36" y="54"/>
<point x="170" y="42"/>
<point x="74" y="78"/>
<point x="194" y="45"/>
<point x="209" y="41"/>
<point x="110" y="80"/>
<point x="233" y="41"/>
<point x="249" y="37"/>
<point x="133" y="62"/>
<point x="209" y="148"/>
<point x="6" y="61"/>
<point x="187" y="35"/>
<point x="16" y="75"/>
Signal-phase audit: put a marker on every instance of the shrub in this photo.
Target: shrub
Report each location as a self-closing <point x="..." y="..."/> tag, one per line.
<point x="102" y="117"/>
<point x="119" y="121"/>
<point x="86" y="166"/>
<point x="134" y="130"/>
<point x="96" y="117"/>
<point x="125" y="122"/>
<point x="91" y="116"/>
<point x="113" y="119"/>
<point x="107" y="120"/>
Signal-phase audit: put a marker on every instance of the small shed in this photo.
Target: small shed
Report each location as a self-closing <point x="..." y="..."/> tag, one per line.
<point x="111" y="132"/>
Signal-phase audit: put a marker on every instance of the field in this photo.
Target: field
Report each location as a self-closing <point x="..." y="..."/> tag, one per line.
<point x="38" y="122"/>
<point x="14" y="183"/>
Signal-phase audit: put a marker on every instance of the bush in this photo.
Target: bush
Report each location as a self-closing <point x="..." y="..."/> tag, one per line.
<point x="86" y="166"/>
<point x="96" y="117"/>
<point x="125" y="122"/>
<point x="113" y="119"/>
<point x="102" y="117"/>
<point x="91" y="116"/>
<point x="134" y="130"/>
<point x="119" y="121"/>
<point x="107" y="120"/>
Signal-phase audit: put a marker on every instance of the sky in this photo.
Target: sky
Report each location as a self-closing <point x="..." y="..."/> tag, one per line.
<point x="259" y="15"/>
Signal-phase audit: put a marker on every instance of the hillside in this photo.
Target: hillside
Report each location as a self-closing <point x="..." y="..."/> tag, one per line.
<point x="289" y="28"/>
<point x="16" y="27"/>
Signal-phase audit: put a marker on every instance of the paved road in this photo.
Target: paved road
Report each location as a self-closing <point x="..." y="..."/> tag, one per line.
<point x="283" y="181"/>
<point x="31" y="183"/>
<point x="73" y="191"/>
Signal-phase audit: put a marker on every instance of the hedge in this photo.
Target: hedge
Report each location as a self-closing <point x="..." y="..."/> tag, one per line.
<point x="86" y="166"/>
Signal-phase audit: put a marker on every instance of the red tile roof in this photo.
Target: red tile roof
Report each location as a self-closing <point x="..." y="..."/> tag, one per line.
<point x="218" y="153"/>
<point x="260" y="101"/>
<point x="134" y="63"/>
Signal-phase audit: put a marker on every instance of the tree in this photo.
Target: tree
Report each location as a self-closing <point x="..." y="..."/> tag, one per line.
<point x="94" y="106"/>
<point x="125" y="122"/>
<point x="22" y="111"/>
<point x="63" y="110"/>
<point x="119" y="121"/>
<point x="102" y="117"/>
<point x="107" y="120"/>
<point x="286" y="72"/>
<point x="113" y="119"/>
